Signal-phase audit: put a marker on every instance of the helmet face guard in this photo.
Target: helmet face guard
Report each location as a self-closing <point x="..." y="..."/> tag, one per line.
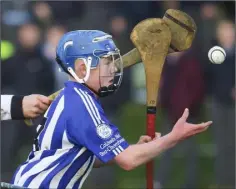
<point x="110" y="73"/>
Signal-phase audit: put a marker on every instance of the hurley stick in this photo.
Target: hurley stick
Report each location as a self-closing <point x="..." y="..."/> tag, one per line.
<point x="152" y="38"/>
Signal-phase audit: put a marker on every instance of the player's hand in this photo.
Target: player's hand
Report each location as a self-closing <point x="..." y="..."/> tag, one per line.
<point x="183" y="130"/>
<point x="146" y="138"/>
<point x="34" y="105"/>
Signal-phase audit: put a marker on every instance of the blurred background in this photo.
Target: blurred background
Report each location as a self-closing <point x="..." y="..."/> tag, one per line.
<point x="30" y="31"/>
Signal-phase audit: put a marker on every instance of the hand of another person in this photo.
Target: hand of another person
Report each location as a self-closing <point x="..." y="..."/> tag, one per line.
<point x="34" y="105"/>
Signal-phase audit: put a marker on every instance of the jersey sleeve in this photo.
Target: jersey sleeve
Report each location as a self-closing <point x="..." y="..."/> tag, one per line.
<point x="6" y="107"/>
<point x="90" y="128"/>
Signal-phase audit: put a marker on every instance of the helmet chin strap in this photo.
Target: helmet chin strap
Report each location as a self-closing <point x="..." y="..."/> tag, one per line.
<point x="88" y="66"/>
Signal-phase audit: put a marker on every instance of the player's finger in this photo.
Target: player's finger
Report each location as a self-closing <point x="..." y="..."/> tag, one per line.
<point x="37" y="110"/>
<point x="185" y="114"/>
<point x="157" y="135"/>
<point x="203" y="125"/>
<point x="196" y="131"/>
<point x="145" y="138"/>
<point x="201" y="130"/>
<point x="44" y="99"/>
<point x="208" y="123"/>
<point x="148" y="138"/>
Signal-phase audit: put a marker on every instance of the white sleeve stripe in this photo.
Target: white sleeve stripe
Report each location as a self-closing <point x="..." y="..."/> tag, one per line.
<point x="92" y="106"/>
<point x="96" y="109"/>
<point x="86" y="105"/>
<point x="120" y="147"/>
<point x="114" y="151"/>
<point x="118" y="150"/>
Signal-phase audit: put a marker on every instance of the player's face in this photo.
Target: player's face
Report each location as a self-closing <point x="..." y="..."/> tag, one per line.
<point x="108" y="72"/>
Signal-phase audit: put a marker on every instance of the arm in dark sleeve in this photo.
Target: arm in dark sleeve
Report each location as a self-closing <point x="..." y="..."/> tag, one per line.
<point x="11" y="107"/>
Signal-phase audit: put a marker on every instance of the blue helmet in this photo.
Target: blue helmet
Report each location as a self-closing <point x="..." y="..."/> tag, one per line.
<point x="88" y="45"/>
<point x="84" y="44"/>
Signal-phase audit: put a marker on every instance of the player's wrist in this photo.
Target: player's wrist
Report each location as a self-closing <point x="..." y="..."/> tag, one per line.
<point x="171" y="139"/>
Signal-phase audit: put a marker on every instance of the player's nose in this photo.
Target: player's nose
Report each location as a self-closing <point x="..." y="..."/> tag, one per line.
<point x="114" y="69"/>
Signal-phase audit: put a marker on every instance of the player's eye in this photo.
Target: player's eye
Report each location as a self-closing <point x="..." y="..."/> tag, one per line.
<point x="108" y="61"/>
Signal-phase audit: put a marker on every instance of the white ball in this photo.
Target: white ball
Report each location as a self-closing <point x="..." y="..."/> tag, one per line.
<point x="216" y="55"/>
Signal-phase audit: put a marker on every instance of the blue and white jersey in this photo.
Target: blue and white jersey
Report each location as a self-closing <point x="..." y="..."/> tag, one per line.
<point x="75" y="131"/>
